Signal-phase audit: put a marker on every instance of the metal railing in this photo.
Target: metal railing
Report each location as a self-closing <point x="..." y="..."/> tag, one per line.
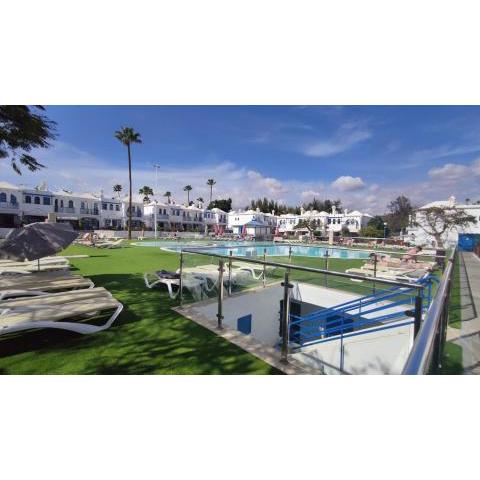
<point x="426" y="354"/>
<point x="416" y="289"/>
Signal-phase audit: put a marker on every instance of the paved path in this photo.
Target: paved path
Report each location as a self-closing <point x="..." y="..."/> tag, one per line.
<point x="469" y="334"/>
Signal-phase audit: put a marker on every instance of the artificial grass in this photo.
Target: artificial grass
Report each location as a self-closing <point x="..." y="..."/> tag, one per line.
<point x="147" y="338"/>
<point x="455" y="307"/>
<point x="451" y="359"/>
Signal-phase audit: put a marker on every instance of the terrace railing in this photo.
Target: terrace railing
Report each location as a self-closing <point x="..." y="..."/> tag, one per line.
<point x="384" y="304"/>
<point x="426" y="354"/>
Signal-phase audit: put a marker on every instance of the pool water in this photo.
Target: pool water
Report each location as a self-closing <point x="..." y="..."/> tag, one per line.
<point x="249" y="249"/>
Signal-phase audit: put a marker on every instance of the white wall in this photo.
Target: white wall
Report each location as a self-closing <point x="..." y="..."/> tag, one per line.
<point x="383" y="352"/>
<point x="262" y="304"/>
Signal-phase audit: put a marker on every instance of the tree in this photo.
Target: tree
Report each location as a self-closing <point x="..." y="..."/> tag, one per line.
<point x="211" y="182"/>
<point x="168" y="195"/>
<point x="117" y="189"/>
<point x="438" y="221"/>
<point x="200" y="199"/>
<point x="371" y="231"/>
<point x="188" y="189"/>
<point x="310" y="225"/>
<point x="22" y="130"/>
<point x="127" y="136"/>
<point x="222" y="204"/>
<point x="400" y="211"/>
<point x="146" y="192"/>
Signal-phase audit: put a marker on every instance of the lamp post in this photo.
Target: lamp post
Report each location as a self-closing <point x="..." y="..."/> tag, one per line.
<point x="155" y="217"/>
<point x="385" y="224"/>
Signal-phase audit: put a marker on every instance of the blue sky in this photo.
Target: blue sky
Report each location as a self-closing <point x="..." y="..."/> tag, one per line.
<point x="365" y="155"/>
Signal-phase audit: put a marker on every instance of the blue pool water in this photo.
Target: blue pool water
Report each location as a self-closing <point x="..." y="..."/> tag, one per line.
<point x="246" y="249"/>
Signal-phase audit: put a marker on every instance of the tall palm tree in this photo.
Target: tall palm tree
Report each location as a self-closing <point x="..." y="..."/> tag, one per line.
<point x="188" y="189"/>
<point x="117" y="189"/>
<point x="146" y="192"/>
<point x="168" y="195"/>
<point x="211" y="182"/>
<point x="127" y="136"/>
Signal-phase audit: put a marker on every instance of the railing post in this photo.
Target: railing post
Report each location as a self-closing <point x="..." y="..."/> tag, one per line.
<point x="289" y="254"/>
<point x="374" y="272"/>
<point x="286" y="317"/>
<point x="418" y="315"/>
<point x="326" y="267"/>
<point x="230" y="274"/>
<point x="264" y="267"/>
<point x="220" y="294"/>
<point x="180" y="283"/>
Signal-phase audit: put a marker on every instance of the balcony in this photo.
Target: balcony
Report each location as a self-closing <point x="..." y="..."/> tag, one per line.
<point x="64" y="209"/>
<point x="89" y="211"/>
<point x="9" y="205"/>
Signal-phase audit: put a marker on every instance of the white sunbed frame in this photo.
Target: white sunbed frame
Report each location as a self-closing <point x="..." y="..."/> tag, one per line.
<point x="82" y="328"/>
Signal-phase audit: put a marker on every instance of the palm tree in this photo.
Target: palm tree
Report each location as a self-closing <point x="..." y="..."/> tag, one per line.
<point x="146" y="192"/>
<point x="467" y="201"/>
<point x="187" y="189"/>
<point x="200" y="199"/>
<point x="211" y="182"/>
<point x="117" y="189"/>
<point x="168" y="195"/>
<point x="127" y="136"/>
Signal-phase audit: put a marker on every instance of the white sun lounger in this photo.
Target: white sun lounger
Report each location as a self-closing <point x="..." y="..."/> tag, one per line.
<point x="15" y="286"/>
<point x="191" y="283"/>
<point x="252" y="268"/>
<point x="52" y="311"/>
<point x="109" y="244"/>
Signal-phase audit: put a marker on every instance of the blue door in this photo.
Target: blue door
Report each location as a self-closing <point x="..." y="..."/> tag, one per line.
<point x="468" y="241"/>
<point x="244" y="324"/>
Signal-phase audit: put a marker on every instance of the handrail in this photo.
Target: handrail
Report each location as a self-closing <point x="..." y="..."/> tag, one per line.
<point x="432" y="332"/>
<point x="289" y="266"/>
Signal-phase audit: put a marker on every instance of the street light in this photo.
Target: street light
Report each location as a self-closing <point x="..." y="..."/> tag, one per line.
<point x="385" y="224"/>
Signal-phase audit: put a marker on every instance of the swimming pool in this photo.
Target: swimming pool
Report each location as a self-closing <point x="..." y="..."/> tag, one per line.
<point x="249" y="249"/>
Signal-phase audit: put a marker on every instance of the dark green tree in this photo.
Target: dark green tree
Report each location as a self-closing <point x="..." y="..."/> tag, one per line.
<point x="222" y="204"/>
<point x="21" y="130"/>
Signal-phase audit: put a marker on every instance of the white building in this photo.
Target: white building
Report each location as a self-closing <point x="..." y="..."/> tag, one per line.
<point x="324" y="221"/>
<point x="85" y="211"/>
<point x="177" y="217"/>
<point x="253" y="223"/>
<point x="417" y="236"/>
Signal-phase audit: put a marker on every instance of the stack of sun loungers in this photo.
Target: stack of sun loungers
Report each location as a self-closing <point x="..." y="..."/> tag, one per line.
<point x="52" y="299"/>
<point x="394" y="269"/>
<point x="203" y="279"/>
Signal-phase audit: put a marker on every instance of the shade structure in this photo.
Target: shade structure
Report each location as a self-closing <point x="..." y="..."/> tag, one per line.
<point x="37" y="240"/>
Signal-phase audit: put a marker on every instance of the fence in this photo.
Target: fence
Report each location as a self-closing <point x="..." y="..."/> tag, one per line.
<point x="285" y="294"/>
<point x="426" y="354"/>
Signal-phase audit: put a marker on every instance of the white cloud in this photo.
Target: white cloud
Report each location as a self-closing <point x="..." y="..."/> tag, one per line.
<point x="450" y="172"/>
<point x="345" y="138"/>
<point x="309" y="194"/>
<point x="348" y="184"/>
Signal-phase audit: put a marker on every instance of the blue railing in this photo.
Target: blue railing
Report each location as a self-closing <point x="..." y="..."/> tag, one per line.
<point x="353" y="317"/>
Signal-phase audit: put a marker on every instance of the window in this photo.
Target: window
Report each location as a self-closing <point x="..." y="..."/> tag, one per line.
<point x="82" y="205"/>
<point x="46" y="200"/>
<point x="104" y="206"/>
<point x="61" y="203"/>
<point x="28" y="199"/>
<point x="13" y="199"/>
<point x="117" y="208"/>
<point x="70" y="204"/>
<point x="36" y="200"/>
<point x="3" y="197"/>
<point x="111" y="206"/>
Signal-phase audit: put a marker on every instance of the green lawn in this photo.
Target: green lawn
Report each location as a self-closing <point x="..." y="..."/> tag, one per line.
<point x="452" y="359"/>
<point x="455" y="310"/>
<point x="147" y="338"/>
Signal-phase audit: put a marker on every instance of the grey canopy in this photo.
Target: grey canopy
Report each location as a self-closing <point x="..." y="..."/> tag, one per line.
<point x="37" y="240"/>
